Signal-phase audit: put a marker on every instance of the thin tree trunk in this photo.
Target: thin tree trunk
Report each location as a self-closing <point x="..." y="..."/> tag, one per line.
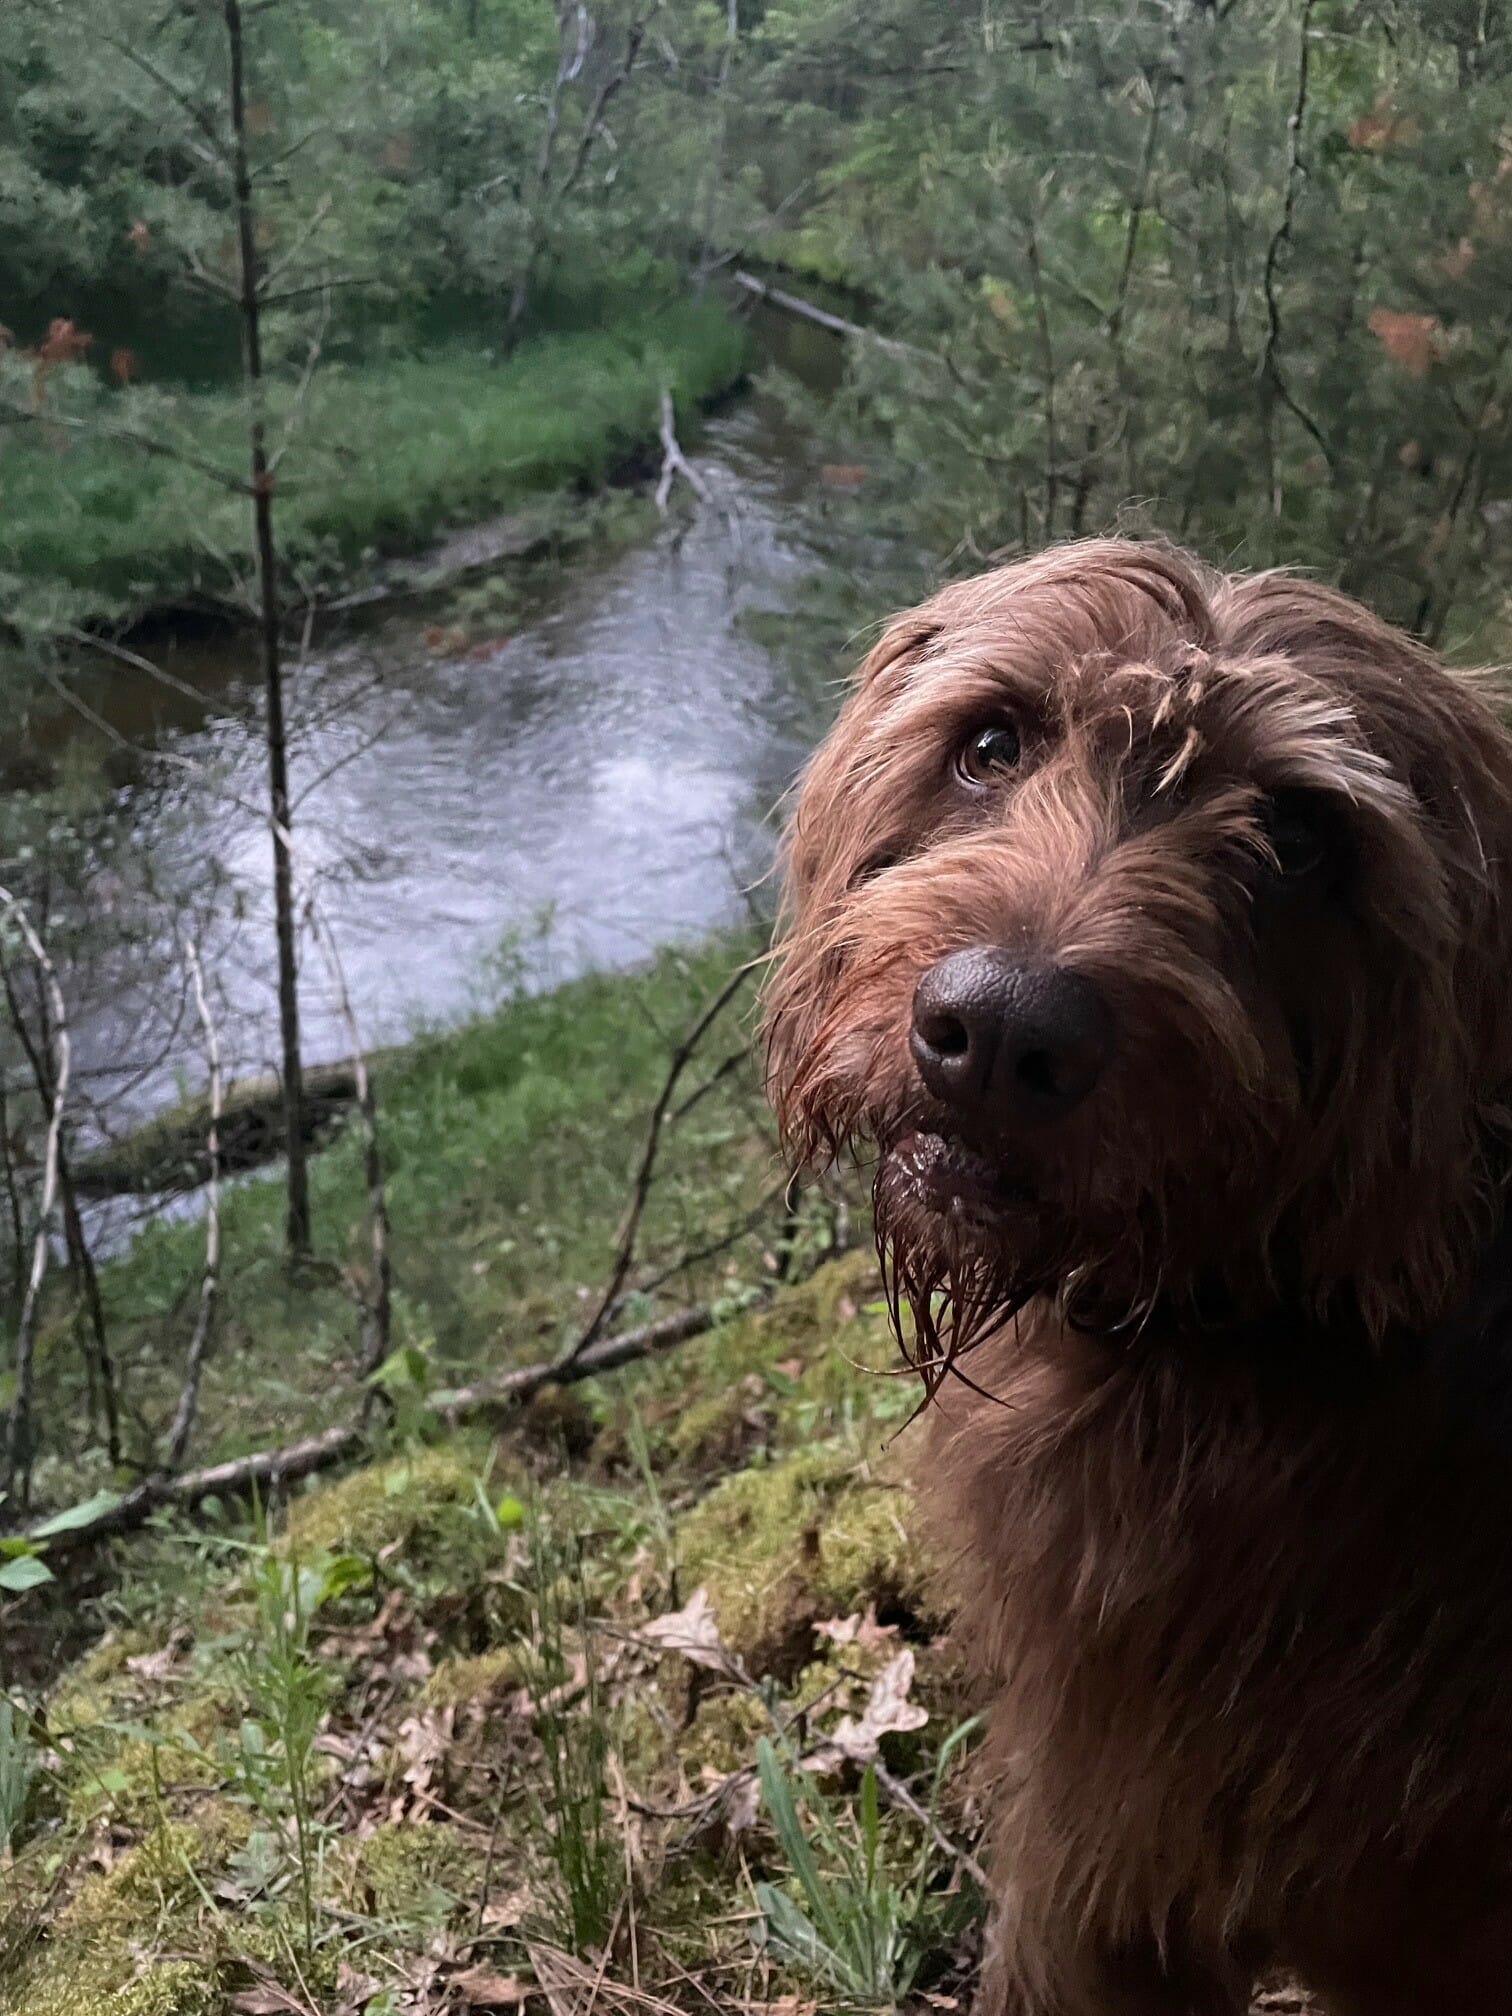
<point x="18" y="1459"/>
<point x="199" y="1343"/>
<point x="378" y="1315"/>
<point x="98" y="1364"/>
<point x="12" y="1191"/>
<point x="297" y="1219"/>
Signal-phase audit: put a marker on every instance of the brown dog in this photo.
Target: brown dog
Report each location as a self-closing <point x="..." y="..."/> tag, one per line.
<point x="1154" y="925"/>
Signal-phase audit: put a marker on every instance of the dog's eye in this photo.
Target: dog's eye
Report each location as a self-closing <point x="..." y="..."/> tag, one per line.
<point x="990" y="753"/>
<point x="1296" y="832"/>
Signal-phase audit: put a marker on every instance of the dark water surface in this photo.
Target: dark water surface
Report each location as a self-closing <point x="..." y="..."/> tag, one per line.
<point x="589" y="788"/>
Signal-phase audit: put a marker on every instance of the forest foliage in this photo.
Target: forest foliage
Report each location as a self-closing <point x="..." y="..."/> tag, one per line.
<point x="1238" y="270"/>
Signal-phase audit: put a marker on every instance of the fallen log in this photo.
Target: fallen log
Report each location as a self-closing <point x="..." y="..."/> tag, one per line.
<point x="170" y="1152"/>
<point x="824" y="318"/>
<point x="271" y="1469"/>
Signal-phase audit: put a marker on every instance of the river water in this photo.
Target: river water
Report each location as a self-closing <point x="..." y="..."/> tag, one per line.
<point x="597" y="783"/>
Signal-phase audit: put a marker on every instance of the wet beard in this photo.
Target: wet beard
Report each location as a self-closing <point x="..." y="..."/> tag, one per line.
<point x="963" y="1248"/>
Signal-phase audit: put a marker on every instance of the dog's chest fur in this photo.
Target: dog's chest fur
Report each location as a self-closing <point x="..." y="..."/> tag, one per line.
<point x="1231" y="1607"/>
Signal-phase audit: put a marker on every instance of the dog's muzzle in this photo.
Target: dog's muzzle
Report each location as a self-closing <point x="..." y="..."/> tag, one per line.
<point x="1005" y="1044"/>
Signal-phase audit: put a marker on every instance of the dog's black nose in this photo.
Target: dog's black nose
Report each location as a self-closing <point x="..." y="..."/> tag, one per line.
<point x="997" y="1039"/>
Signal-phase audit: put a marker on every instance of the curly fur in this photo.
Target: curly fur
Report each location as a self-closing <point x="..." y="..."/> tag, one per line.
<point x="1228" y="1465"/>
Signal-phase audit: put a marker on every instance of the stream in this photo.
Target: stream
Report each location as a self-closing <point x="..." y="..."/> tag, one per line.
<point x="476" y="816"/>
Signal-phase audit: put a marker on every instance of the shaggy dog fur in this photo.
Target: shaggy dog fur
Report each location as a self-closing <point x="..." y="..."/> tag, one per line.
<point x="1215" y="1300"/>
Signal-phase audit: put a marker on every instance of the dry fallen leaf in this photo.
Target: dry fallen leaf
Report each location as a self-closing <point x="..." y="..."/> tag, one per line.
<point x="865" y="1633"/>
<point x="888" y="1708"/>
<point x="267" y="1998"/>
<point x="481" y="1988"/>
<point x="694" y="1632"/>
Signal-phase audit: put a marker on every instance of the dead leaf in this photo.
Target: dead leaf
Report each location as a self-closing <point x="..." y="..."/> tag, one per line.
<point x="865" y="1633"/>
<point x="843" y="475"/>
<point x="266" y="1998"/>
<point x="481" y="1988"/>
<point x="888" y="1708"/>
<point x="356" y="1990"/>
<point x="694" y="1632"/>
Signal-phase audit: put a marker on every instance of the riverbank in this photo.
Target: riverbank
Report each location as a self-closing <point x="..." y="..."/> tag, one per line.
<point x="383" y="456"/>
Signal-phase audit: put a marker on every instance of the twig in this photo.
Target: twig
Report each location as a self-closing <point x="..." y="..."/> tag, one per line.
<point x="18" y="1457"/>
<point x="895" y="1790"/>
<point x="188" y="1400"/>
<point x="630" y="1224"/>
<point x="698" y="1254"/>
<point x="131" y="437"/>
<point x="99" y="1368"/>
<point x="1270" y="367"/>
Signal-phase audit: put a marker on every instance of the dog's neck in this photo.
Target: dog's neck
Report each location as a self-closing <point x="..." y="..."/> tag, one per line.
<point x="1290" y="1330"/>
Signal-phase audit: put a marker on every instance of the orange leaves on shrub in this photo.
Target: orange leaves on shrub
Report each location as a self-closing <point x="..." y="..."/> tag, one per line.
<point x="1382" y="128"/>
<point x="125" y="365"/>
<point x="64" y="343"/>
<point x="138" y="235"/>
<point x="1413" y="341"/>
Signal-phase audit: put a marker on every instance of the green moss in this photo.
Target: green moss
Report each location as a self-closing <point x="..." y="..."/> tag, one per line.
<point x="414" y="1873"/>
<point x="460" y="1683"/>
<point x="100" y="1955"/>
<point x="781" y="1546"/>
<point x="422" y="1508"/>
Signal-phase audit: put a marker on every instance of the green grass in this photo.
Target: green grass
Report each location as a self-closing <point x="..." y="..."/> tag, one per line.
<point x="383" y="455"/>
<point x="411" y="1710"/>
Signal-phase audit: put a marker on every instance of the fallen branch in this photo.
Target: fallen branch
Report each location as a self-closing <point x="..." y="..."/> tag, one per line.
<point x="18" y="1454"/>
<point x="188" y="1400"/>
<point x="271" y="1469"/>
<point x="824" y="318"/>
<point x="630" y="1225"/>
<point x="674" y="462"/>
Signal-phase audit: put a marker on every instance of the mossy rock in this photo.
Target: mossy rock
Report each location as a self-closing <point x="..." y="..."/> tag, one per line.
<point x="100" y="1954"/>
<point x="422" y="1508"/>
<point x="816" y="1534"/>
<point x="469" y="1683"/>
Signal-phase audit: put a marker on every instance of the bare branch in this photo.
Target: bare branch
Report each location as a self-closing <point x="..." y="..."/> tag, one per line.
<point x="188" y="1400"/>
<point x="18" y="1449"/>
<point x="1270" y="361"/>
<point x="271" y="1468"/>
<point x="378" y="1326"/>
<point x="131" y="437"/>
<point x="630" y="1225"/>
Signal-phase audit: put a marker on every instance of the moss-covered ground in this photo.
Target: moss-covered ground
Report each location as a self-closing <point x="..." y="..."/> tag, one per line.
<point x="478" y="1723"/>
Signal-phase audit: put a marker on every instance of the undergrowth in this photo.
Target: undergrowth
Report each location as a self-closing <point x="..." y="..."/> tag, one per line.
<point x="381" y="455"/>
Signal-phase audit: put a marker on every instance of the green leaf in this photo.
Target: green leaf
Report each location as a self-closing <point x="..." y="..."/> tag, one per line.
<point x="76" y="1516"/>
<point x="26" y="1571"/>
<point x="785" y="1926"/>
<point x="778" y="1793"/>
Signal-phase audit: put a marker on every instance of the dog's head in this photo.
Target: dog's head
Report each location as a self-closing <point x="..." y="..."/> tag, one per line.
<point x="1153" y="925"/>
